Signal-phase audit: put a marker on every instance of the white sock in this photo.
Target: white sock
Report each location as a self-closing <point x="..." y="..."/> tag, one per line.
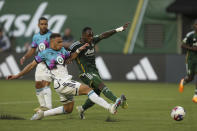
<point x="40" y="96"/>
<point x="47" y="96"/>
<point x="55" y="111"/>
<point x="98" y="100"/>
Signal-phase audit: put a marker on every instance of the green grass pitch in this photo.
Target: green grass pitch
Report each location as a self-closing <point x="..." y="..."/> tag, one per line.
<point x="149" y="109"/>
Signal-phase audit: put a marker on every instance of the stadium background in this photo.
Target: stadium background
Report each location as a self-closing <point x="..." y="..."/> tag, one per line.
<point x="146" y="59"/>
<point x="153" y="30"/>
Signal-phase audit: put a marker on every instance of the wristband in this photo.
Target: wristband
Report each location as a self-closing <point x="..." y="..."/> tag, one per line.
<point x="78" y="51"/>
<point x="119" y="29"/>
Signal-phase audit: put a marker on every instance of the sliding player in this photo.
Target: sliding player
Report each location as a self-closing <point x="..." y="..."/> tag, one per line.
<point x="54" y="59"/>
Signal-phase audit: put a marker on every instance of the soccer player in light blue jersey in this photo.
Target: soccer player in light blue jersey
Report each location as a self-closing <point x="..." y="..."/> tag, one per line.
<point x="40" y="42"/>
<point x="55" y="58"/>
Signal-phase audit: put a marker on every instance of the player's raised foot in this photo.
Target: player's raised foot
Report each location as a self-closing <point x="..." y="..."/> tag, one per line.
<point x="181" y="86"/>
<point x="124" y="103"/>
<point x="41" y="108"/>
<point x="194" y="99"/>
<point x="114" y="107"/>
<point x="81" y="112"/>
<point x="38" y="115"/>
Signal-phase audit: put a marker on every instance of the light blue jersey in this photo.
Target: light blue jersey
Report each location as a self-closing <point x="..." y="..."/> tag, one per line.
<point x="41" y="41"/>
<point x="52" y="57"/>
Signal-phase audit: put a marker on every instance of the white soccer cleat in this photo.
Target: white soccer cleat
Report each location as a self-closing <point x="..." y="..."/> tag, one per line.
<point x="38" y="115"/>
<point x="81" y="112"/>
<point x="114" y="107"/>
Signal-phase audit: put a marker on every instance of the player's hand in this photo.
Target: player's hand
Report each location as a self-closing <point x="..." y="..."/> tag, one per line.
<point x="68" y="61"/>
<point x="11" y="77"/>
<point x="125" y="26"/>
<point x="83" y="47"/>
<point x="22" y="60"/>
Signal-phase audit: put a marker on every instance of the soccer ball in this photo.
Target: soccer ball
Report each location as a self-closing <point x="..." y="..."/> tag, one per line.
<point x="178" y="113"/>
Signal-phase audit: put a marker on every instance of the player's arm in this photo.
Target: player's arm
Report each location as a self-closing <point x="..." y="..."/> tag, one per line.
<point x="27" y="55"/>
<point x="76" y="53"/>
<point x="27" y="69"/>
<point x="111" y="32"/>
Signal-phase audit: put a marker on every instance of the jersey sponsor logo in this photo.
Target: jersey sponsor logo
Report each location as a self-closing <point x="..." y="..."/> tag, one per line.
<point x="41" y="47"/>
<point x="60" y="60"/>
<point x="9" y="67"/>
<point x="24" y="24"/>
<point x="89" y="52"/>
<point x="142" y="71"/>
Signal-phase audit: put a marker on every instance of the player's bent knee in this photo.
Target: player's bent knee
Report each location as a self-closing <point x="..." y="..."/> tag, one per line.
<point x="84" y="89"/>
<point x="68" y="108"/>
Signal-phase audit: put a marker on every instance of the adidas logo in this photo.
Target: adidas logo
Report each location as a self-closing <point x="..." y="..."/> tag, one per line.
<point x="142" y="71"/>
<point x="9" y="67"/>
<point x="102" y="68"/>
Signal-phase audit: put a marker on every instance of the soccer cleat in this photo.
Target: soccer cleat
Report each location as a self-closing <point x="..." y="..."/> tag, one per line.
<point x="181" y="86"/>
<point x="124" y="103"/>
<point x="38" y="115"/>
<point x="81" y="112"/>
<point x="114" y="107"/>
<point x="194" y="99"/>
<point x="41" y="108"/>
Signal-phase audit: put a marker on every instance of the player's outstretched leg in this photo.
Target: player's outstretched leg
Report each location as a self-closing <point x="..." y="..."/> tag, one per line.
<point x="88" y="103"/>
<point x="85" y="90"/>
<point x="65" y="109"/>
<point x="112" y="97"/>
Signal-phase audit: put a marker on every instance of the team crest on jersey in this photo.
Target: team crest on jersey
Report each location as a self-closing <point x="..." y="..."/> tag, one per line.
<point x="60" y="60"/>
<point x="42" y="46"/>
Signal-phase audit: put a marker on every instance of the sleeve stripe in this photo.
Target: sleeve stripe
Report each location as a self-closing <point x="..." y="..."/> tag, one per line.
<point x="36" y="60"/>
<point x="73" y="45"/>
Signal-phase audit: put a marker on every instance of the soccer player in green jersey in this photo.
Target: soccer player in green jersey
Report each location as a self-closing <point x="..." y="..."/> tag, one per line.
<point x="88" y="72"/>
<point x="190" y="44"/>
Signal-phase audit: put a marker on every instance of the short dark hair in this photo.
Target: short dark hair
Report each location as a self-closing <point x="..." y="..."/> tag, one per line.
<point x="85" y="29"/>
<point x="42" y="18"/>
<point x="54" y="35"/>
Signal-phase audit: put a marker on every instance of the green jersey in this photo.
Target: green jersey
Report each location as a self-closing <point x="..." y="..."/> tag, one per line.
<point x="191" y="40"/>
<point x="86" y="58"/>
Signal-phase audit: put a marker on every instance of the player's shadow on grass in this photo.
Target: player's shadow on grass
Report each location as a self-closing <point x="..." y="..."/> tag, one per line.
<point x="111" y="119"/>
<point x="10" y="117"/>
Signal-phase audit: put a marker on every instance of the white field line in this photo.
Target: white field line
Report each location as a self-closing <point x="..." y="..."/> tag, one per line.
<point x="28" y="102"/>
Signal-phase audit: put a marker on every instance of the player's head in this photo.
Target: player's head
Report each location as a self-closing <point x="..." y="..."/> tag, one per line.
<point x="87" y="34"/>
<point x="43" y="25"/>
<point x="56" y="41"/>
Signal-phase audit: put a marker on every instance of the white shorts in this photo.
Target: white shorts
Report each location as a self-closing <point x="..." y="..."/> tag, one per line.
<point x="66" y="89"/>
<point x="41" y="73"/>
